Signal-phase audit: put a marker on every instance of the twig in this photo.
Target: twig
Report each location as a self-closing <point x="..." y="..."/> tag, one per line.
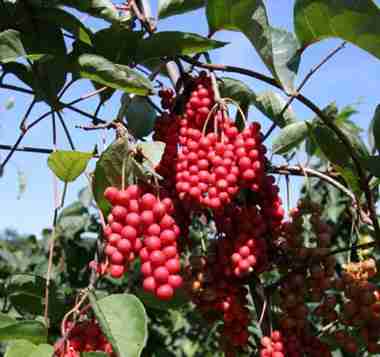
<point x="25" y="118"/>
<point x="90" y="127"/>
<point x="80" y="111"/>
<point x="326" y="120"/>
<point x="18" y="89"/>
<point x="67" y="132"/>
<point x="300" y="87"/>
<point x="302" y="171"/>
<point x="26" y="149"/>
<point x="154" y="105"/>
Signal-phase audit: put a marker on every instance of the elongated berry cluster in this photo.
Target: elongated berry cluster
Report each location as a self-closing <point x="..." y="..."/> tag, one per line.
<point x="84" y="336"/>
<point x="141" y="224"/>
<point x="243" y="247"/>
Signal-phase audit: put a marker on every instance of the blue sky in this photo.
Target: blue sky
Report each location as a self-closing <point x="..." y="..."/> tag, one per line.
<point x="351" y="76"/>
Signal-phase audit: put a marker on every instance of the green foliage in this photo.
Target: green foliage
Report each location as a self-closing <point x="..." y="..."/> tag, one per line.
<point x="289" y="138"/>
<point x="25" y="348"/>
<point x="277" y="48"/>
<point x="124" y="322"/>
<point x="68" y="165"/>
<point x="168" y="8"/>
<point x="353" y="21"/>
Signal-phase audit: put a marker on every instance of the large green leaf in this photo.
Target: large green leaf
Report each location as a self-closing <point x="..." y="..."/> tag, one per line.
<point x="117" y="44"/>
<point x="290" y="137"/>
<point x="179" y="299"/>
<point x="354" y="21"/>
<point x="33" y="331"/>
<point x="68" y="165"/>
<point x="99" y="8"/>
<point x="94" y="354"/>
<point x="271" y="104"/>
<point x="168" y="8"/>
<point x="116" y="76"/>
<point x="67" y="21"/>
<point x="108" y="170"/>
<point x="139" y="114"/>
<point x="376" y="127"/>
<point x="236" y="90"/>
<point x="123" y="319"/>
<point x="152" y="151"/>
<point x="277" y="48"/>
<point x="6" y="320"/>
<point x="174" y="43"/>
<point x="23" y="348"/>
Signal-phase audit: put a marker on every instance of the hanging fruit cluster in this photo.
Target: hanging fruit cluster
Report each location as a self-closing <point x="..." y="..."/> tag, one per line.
<point x="140" y="224"/>
<point x="82" y="336"/>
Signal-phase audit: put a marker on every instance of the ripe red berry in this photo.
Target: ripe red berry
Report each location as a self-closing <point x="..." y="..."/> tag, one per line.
<point x="149" y="284"/>
<point x="165" y="292"/>
<point x="117" y="271"/>
<point x="110" y="194"/>
<point x="161" y="274"/>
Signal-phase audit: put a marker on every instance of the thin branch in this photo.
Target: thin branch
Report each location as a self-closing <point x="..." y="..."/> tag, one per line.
<point x="302" y="171"/>
<point x="27" y="149"/>
<point x="300" y="87"/>
<point x="154" y="105"/>
<point x="15" y="88"/>
<point x="67" y="132"/>
<point x="80" y="111"/>
<point x="25" y="118"/>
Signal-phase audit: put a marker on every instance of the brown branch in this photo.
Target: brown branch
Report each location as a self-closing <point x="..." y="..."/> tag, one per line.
<point x="15" y="88"/>
<point x="300" y="87"/>
<point x="302" y="171"/>
<point x="314" y="108"/>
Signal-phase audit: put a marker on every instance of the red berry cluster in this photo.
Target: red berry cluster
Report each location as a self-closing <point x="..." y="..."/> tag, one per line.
<point x="213" y="292"/>
<point x="84" y="336"/>
<point x="140" y="223"/>
<point x="273" y="346"/>
<point x="243" y="245"/>
<point x="166" y="130"/>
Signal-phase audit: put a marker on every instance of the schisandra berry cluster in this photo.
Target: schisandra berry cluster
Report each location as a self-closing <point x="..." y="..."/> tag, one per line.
<point x="83" y="336"/>
<point x="140" y="224"/>
<point x="219" y="297"/>
<point x="273" y="346"/>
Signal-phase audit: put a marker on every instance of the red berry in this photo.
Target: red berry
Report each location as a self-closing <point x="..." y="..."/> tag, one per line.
<point x="110" y="194"/>
<point x="161" y="274"/>
<point x="116" y="227"/>
<point x="157" y="258"/>
<point x="129" y="233"/>
<point x="148" y="201"/>
<point x="114" y="239"/>
<point x="173" y="266"/>
<point x="175" y="281"/>
<point x="133" y="219"/>
<point x="170" y="251"/>
<point x="149" y="284"/>
<point x="133" y="191"/>
<point x="124" y="246"/>
<point x="146" y="269"/>
<point x="117" y="271"/>
<point x="159" y="210"/>
<point x="147" y="218"/>
<point x="152" y="243"/>
<point x="117" y="258"/>
<point x="165" y="292"/>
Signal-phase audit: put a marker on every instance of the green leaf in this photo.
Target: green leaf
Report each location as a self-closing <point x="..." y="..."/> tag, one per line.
<point x="116" y="76"/>
<point x="27" y="295"/>
<point x="94" y="354"/>
<point x="372" y="164"/>
<point x="21" y="71"/>
<point x="99" y="8"/>
<point x="25" y="348"/>
<point x="168" y="8"/>
<point x="6" y="320"/>
<point x="236" y="90"/>
<point x="21" y="348"/>
<point x="277" y="48"/>
<point x="174" y="43"/>
<point x="123" y="320"/>
<point x="67" y="21"/>
<point x="153" y="151"/>
<point x="289" y="138"/>
<point x="376" y="127"/>
<point x="117" y="44"/>
<point x="353" y="21"/>
<point x="331" y="146"/>
<point x="68" y="165"/>
<point x="271" y="105"/>
<point x="108" y="170"/>
<point x="11" y="47"/>
<point x="140" y="115"/>
<point x="33" y="331"/>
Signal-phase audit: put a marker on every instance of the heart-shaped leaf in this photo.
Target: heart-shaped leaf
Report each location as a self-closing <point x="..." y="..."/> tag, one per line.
<point x="33" y="331"/>
<point x="68" y="165"/>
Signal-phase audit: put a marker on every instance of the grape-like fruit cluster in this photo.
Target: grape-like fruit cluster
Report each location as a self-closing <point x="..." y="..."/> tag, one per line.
<point x="84" y="336"/>
<point x="273" y="346"/>
<point x="142" y="224"/>
<point x="243" y="246"/>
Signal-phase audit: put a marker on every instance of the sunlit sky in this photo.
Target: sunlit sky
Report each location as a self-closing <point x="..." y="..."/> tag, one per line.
<point x="351" y="77"/>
